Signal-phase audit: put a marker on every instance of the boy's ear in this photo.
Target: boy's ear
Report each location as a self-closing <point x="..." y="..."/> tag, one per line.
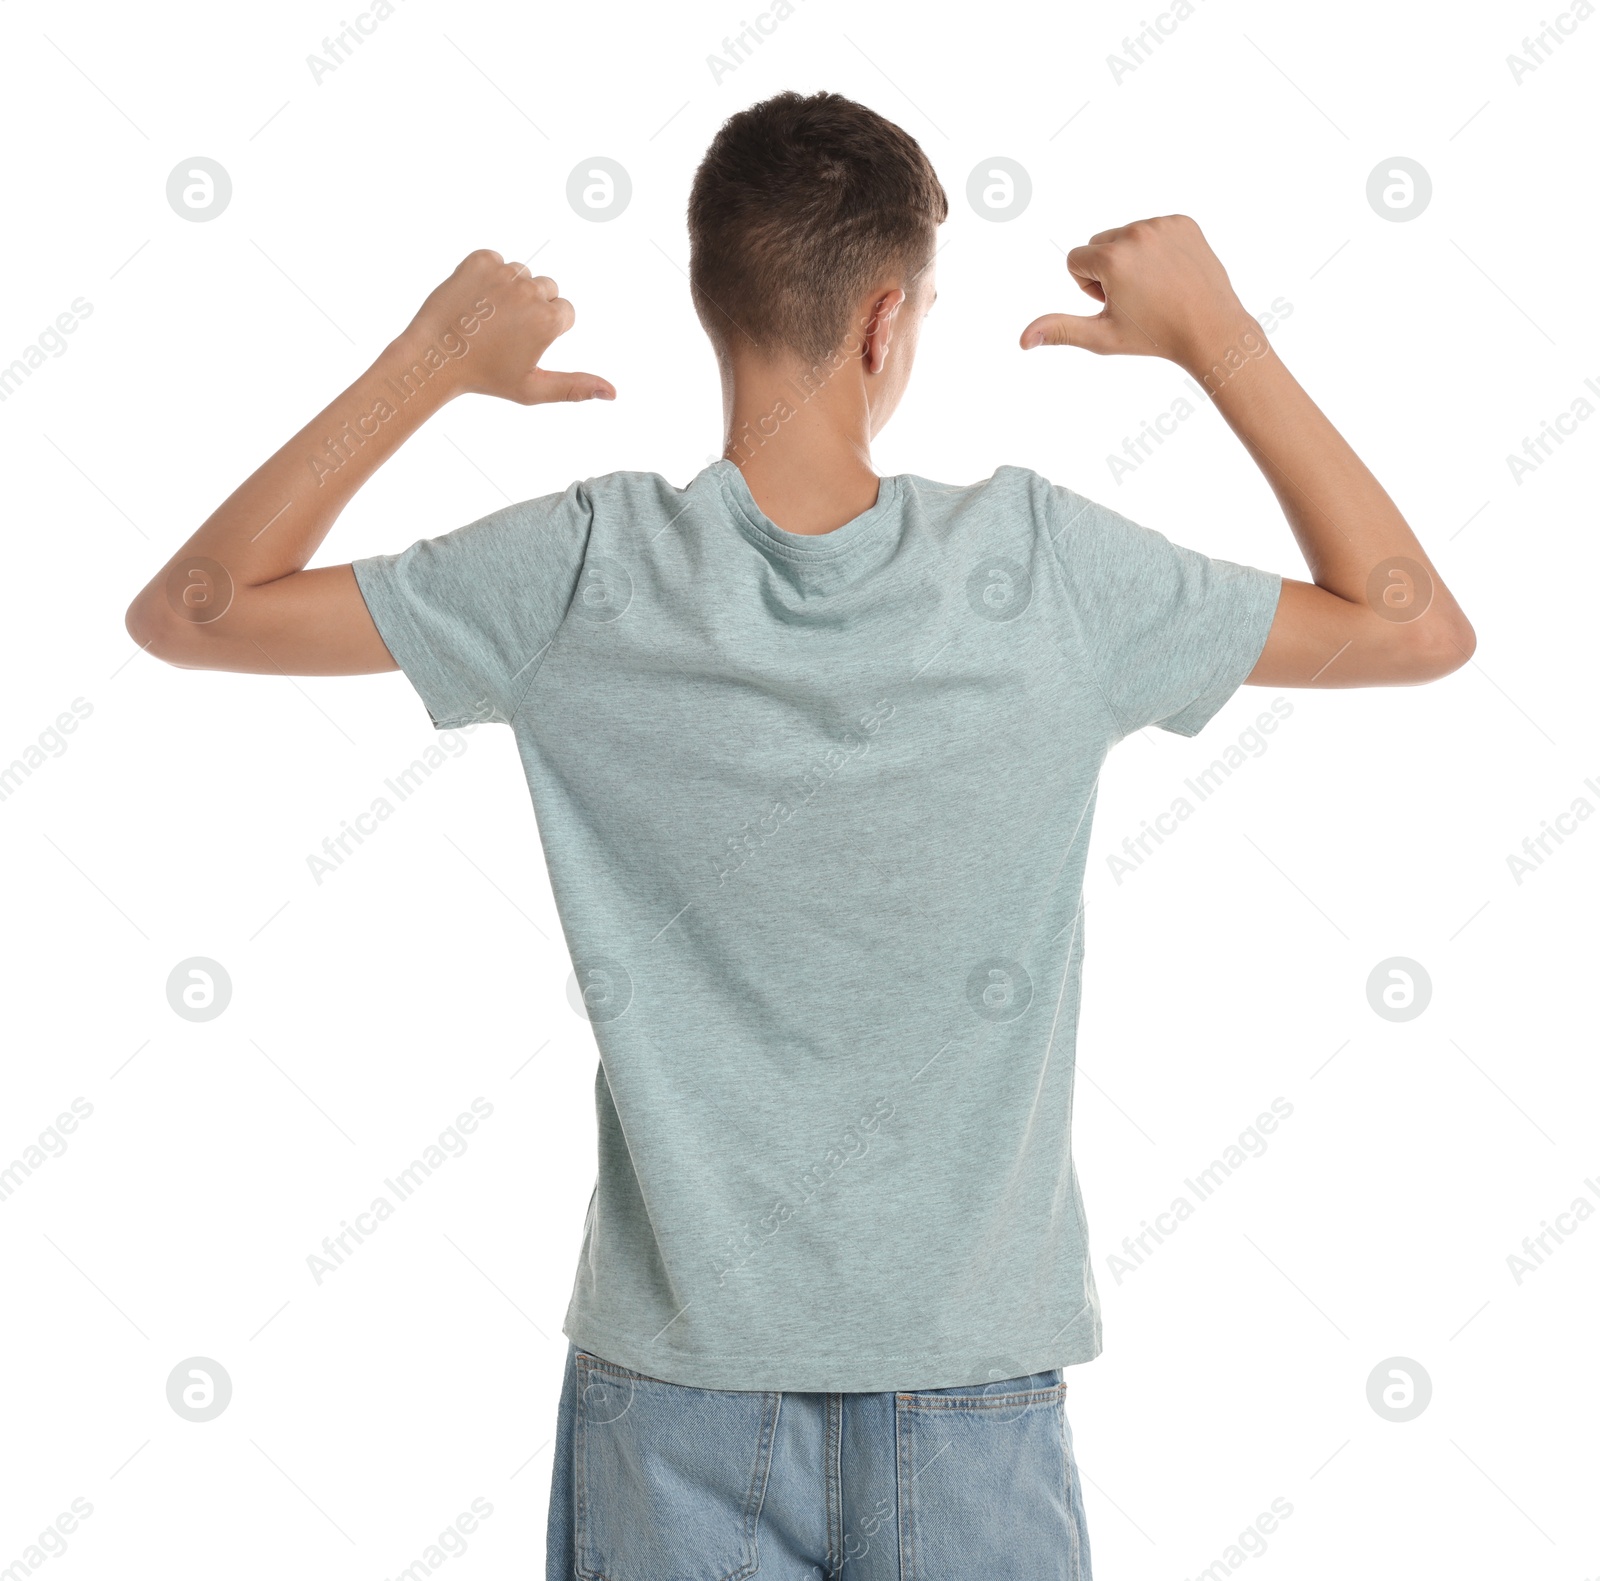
<point x="879" y="330"/>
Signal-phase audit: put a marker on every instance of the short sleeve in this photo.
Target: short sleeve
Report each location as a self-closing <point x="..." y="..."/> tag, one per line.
<point x="468" y="616"/>
<point x="1168" y="634"/>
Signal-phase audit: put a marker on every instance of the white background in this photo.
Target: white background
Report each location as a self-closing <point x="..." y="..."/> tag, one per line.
<point x="1229" y="969"/>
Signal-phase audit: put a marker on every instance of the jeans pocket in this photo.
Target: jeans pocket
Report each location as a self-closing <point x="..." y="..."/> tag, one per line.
<point x="668" y="1480"/>
<point x="986" y="1484"/>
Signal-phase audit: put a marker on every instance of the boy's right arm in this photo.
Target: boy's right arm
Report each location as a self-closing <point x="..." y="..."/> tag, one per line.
<point x="237" y="595"/>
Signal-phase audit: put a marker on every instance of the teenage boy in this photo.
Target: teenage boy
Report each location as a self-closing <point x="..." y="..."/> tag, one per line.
<point x="814" y="755"/>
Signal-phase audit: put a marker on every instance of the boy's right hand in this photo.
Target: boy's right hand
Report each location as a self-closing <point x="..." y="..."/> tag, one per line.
<point x="507" y="319"/>
<point x="237" y="595"/>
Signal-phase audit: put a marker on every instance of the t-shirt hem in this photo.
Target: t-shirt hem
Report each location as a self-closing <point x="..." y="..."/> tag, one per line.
<point x="857" y="1372"/>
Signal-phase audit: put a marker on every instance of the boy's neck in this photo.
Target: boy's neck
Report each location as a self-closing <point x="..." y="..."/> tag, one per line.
<point x="805" y="458"/>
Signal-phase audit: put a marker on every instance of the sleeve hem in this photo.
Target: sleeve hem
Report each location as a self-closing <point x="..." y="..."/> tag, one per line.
<point x="406" y="644"/>
<point x="1240" y="661"/>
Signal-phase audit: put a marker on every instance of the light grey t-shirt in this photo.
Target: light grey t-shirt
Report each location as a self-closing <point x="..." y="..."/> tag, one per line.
<point x="815" y="811"/>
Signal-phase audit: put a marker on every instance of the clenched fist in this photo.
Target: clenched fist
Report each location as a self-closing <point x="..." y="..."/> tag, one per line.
<point x="1165" y="292"/>
<point x="492" y="321"/>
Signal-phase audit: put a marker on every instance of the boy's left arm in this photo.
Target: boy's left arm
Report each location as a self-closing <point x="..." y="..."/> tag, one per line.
<point x="1376" y="612"/>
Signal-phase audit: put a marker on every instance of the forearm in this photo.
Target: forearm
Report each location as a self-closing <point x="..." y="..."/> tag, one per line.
<point x="273" y="523"/>
<point x="1376" y="613"/>
<point x="237" y="595"/>
<point x="1344" y="521"/>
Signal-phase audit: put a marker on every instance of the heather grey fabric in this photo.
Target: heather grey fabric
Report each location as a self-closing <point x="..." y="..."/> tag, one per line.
<point x="815" y="810"/>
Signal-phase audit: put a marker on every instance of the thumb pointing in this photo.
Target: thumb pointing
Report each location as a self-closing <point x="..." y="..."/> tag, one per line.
<point x="548" y="385"/>
<point x="1095" y="333"/>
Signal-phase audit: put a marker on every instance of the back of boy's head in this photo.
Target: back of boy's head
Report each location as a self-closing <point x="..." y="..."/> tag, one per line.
<point x="800" y="206"/>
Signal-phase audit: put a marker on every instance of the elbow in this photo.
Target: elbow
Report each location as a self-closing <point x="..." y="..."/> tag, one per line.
<point x="143" y="626"/>
<point x="1442" y="648"/>
<point x="137" y="624"/>
<point x="153" y="629"/>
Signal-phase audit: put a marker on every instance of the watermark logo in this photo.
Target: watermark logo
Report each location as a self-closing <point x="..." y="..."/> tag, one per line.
<point x="1399" y="589"/>
<point x="605" y="590"/>
<point x="199" y="189"/>
<point x="999" y="990"/>
<point x="1399" y="189"/>
<point x="600" y="988"/>
<point x="199" y="590"/>
<point x="199" y="1389"/>
<point x="999" y="589"/>
<point x="998" y="189"/>
<point x="605" y="1398"/>
<point x="199" y="988"/>
<point x="1399" y="1389"/>
<point x="1399" y="989"/>
<point x="598" y="189"/>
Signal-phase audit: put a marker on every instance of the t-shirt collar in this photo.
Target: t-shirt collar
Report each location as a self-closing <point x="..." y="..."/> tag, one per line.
<point x="766" y="533"/>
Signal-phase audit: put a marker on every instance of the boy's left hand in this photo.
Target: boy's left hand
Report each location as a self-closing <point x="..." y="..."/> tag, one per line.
<point x="1165" y="294"/>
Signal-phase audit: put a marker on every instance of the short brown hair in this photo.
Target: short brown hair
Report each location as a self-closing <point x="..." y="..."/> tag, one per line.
<point x="799" y="204"/>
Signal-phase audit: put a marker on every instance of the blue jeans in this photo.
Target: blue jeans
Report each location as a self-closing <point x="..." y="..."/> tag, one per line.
<point x="654" y="1481"/>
